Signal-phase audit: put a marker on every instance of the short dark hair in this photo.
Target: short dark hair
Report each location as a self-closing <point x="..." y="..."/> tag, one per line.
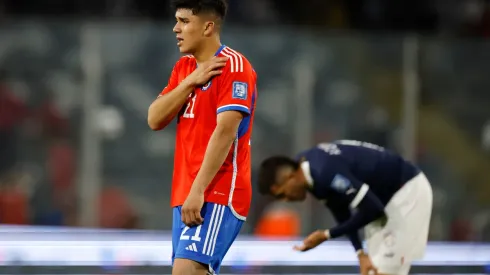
<point x="268" y="171"/>
<point x="218" y="7"/>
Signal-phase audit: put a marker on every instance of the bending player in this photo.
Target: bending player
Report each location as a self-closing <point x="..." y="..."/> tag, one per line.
<point x="212" y="93"/>
<point x="391" y="196"/>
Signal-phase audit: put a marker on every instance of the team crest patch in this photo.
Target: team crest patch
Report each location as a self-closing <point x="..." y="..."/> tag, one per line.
<point x="240" y="90"/>
<point x="340" y="183"/>
<point x="206" y="86"/>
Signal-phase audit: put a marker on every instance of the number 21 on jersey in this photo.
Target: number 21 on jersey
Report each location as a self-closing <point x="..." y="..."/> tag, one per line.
<point x="189" y="110"/>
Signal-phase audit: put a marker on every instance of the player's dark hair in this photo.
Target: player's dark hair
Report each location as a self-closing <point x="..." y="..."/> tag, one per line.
<point x="268" y="171"/>
<point x="218" y="7"/>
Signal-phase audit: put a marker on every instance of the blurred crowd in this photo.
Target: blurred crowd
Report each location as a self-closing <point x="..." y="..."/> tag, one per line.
<point x="38" y="164"/>
<point x="40" y="109"/>
<point x="467" y="17"/>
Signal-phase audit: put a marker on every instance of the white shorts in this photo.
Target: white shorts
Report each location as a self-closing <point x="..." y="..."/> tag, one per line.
<point x="394" y="243"/>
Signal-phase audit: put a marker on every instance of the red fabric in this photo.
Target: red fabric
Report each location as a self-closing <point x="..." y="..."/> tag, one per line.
<point x="14" y="207"/>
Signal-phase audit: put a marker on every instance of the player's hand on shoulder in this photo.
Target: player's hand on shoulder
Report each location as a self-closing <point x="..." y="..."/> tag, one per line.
<point x="312" y="241"/>
<point x="191" y="210"/>
<point x="205" y="71"/>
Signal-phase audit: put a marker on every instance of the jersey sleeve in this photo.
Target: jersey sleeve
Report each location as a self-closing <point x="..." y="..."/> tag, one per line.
<point x="348" y="186"/>
<point x="173" y="81"/>
<point x="358" y="196"/>
<point x="345" y="184"/>
<point x="237" y="89"/>
<point x="342" y="213"/>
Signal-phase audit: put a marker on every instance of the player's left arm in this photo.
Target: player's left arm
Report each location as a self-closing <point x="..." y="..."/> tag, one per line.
<point x="369" y="207"/>
<point x="218" y="148"/>
<point x="347" y="190"/>
<point x="216" y="152"/>
<point x="234" y="102"/>
<point x="342" y="213"/>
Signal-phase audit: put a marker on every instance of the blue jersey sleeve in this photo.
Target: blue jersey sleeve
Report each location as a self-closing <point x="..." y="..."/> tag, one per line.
<point x="342" y="183"/>
<point x="342" y="213"/>
<point x="358" y="196"/>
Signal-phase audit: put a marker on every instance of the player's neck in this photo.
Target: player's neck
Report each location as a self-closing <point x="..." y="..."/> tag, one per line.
<point x="207" y="51"/>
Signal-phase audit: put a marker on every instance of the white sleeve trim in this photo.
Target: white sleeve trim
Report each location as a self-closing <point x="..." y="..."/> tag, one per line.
<point x="305" y="166"/>
<point x="360" y="195"/>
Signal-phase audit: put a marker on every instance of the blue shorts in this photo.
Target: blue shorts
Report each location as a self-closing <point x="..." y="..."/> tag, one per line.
<point x="206" y="243"/>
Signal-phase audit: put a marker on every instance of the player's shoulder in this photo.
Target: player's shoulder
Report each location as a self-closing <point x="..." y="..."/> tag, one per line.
<point x="185" y="61"/>
<point x="237" y="62"/>
<point x="312" y="155"/>
<point x="325" y="150"/>
<point x="322" y="155"/>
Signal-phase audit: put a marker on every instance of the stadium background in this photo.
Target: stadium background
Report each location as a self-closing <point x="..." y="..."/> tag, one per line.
<point x="77" y="77"/>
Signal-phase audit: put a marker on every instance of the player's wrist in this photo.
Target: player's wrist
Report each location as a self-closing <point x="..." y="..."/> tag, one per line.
<point x="189" y="83"/>
<point x="327" y="234"/>
<point x="360" y="253"/>
<point x="198" y="189"/>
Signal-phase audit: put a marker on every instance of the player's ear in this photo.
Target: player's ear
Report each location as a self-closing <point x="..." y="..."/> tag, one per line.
<point x="209" y="28"/>
<point x="275" y="189"/>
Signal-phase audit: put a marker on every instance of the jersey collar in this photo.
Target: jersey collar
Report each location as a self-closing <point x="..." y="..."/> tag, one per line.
<point x="219" y="50"/>
<point x="305" y="167"/>
<point x="216" y="53"/>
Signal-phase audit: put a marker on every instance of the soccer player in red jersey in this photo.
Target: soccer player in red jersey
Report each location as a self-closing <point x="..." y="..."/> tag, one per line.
<point x="212" y="93"/>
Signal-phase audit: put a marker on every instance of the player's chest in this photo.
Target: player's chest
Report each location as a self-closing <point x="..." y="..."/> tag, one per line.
<point x="201" y="103"/>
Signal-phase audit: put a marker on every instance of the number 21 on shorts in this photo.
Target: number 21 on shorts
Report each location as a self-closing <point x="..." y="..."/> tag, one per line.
<point x="189" y="110"/>
<point x="195" y="237"/>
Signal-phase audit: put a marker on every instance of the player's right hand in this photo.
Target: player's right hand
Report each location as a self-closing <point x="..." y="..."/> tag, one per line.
<point x="191" y="209"/>
<point x="206" y="70"/>
<point x="312" y="241"/>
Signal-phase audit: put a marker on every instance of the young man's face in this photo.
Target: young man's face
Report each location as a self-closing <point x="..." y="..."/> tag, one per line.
<point x="189" y="29"/>
<point x="288" y="187"/>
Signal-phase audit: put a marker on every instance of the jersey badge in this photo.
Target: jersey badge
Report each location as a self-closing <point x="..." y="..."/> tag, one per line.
<point x="340" y="183"/>
<point x="240" y="90"/>
<point x="206" y="86"/>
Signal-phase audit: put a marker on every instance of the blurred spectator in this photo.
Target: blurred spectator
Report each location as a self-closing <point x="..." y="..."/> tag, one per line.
<point x="461" y="230"/>
<point x="61" y="165"/>
<point x="53" y="123"/>
<point x="116" y="210"/>
<point x="54" y="197"/>
<point x="48" y="209"/>
<point x="14" y="204"/>
<point x="12" y="112"/>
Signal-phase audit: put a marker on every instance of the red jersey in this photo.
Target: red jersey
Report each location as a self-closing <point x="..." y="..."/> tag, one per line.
<point x="233" y="90"/>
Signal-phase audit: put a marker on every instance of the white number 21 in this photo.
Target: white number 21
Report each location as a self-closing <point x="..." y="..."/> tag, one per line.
<point x="196" y="237"/>
<point x="189" y="110"/>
